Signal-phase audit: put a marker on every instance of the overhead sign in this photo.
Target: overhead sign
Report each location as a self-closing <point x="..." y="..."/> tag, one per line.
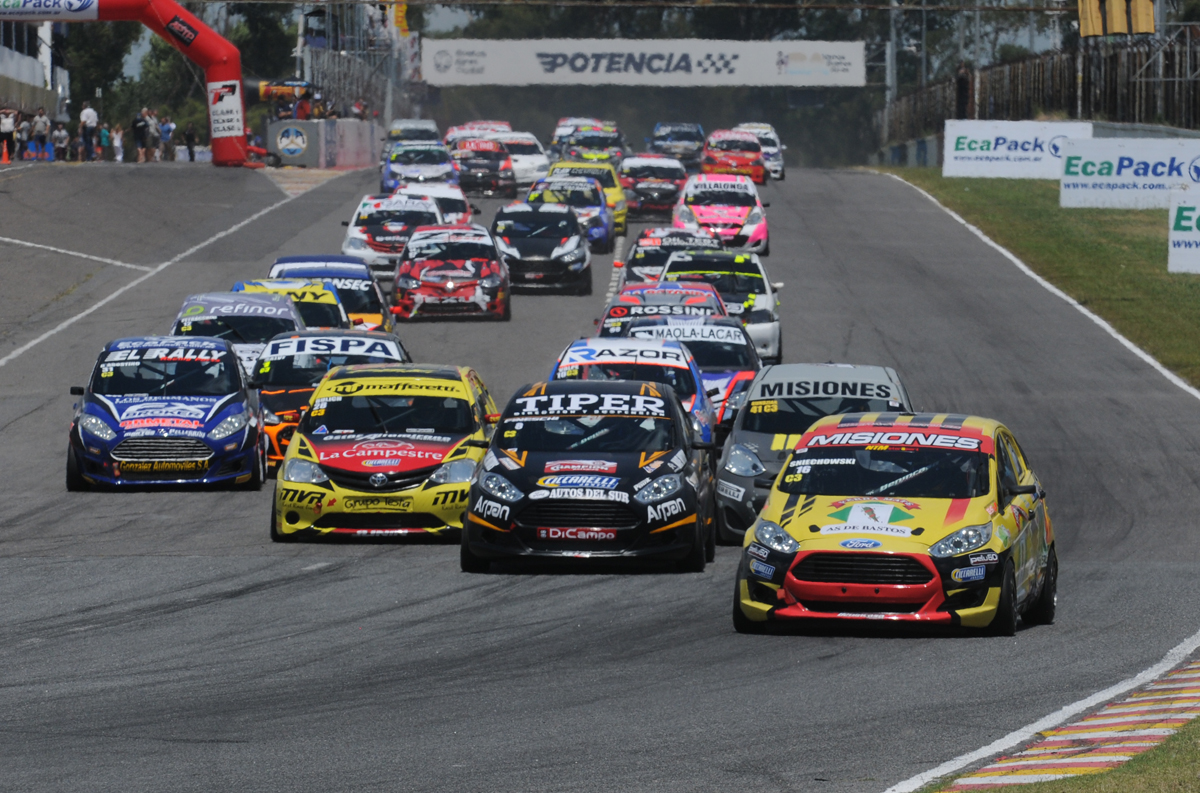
<point x="660" y="62"/>
<point x="1129" y="173"/>
<point x="1183" y="236"/>
<point x="1008" y="149"/>
<point x="50" y="10"/>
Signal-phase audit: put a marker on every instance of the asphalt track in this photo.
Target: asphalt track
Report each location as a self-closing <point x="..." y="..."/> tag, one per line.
<point x="161" y="642"/>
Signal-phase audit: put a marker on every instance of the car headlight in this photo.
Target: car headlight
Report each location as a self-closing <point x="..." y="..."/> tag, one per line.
<point x="407" y="282"/>
<point x="743" y="462"/>
<point x="499" y="487"/>
<point x="577" y="255"/>
<point x="97" y="426"/>
<point x="453" y="473"/>
<point x="659" y="489"/>
<point x="774" y="537"/>
<point x="755" y="217"/>
<point x="491" y="281"/>
<point x="506" y="173"/>
<point x="229" y="425"/>
<point x="271" y="419"/>
<point x="963" y="540"/>
<point x="355" y="244"/>
<point x="303" y="471"/>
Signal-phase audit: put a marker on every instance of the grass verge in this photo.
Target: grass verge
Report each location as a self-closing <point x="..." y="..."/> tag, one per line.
<point x="1114" y="261"/>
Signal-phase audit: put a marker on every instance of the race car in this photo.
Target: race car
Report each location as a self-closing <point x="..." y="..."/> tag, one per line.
<point x="450" y="198"/>
<point x="291" y="367"/>
<point x="413" y="129"/>
<point x="586" y="198"/>
<point x="606" y="174"/>
<point x="666" y="362"/>
<point x="725" y="354"/>
<point x="529" y="160"/>
<point x="590" y="143"/>
<point x="474" y="129"/>
<point x="735" y="152"/>
<point x="381" y="226"/>
<point x="166" y="410"/>
<point x="588" y="469"/>
<point x="680" y="300"/>
<point x="929" y="518"/>
<point x="245" y="320"/>
<point x="564" y="130"/>
<point x="648" y="253"/>
<point x="485" y="167"/>
<point x="771" y="415"/>
<point x="359" y="293"/>
<point x="652" y="183"/>
<point x="452" y="271"/>
<point x="317" y="300"/>
<point x="417" y="163"/>
<point x="772" y="149"/>
<point x="729" y="208"/>
<point x="747" y="293"/>
<point x="544" y="247"/>
<point x="384" y="451"/>
<point x="684" y="142"/>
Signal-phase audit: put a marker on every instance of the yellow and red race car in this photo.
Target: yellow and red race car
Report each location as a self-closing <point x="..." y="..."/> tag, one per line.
<point x="384" y="451"/>
<point x="926" y="518"/>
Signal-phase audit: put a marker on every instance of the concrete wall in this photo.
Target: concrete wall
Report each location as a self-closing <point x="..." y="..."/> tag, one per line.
<point x="340" y="143"/>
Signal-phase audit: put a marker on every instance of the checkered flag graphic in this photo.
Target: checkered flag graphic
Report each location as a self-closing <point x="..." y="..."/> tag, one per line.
<point x="717" y="64"/>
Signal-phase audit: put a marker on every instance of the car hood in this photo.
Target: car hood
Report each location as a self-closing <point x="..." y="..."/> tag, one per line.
<point x="534" y="247"/>
<point x="391" y="233"/>
<point x="681" y="146"/>
<point x="543" y="472"/>
<point x="720" y="214"/>
<point x="386" y="453"/>
<point x="191" y="416"/>
<point x="436" y="171"/>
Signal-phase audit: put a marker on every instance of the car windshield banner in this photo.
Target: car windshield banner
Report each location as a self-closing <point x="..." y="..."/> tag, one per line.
<point x="658" y="62"/>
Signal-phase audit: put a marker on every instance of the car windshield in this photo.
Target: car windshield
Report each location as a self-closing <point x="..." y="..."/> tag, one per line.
<point x="545" y="226"/>
<point x="166" y="378"/>
<point x="679" y="136"/>
<point x="308" y="369"/>
<point x="654" y="172"/>
<point x="721" y="198"/>
<point x="408" y="217"/>
<point x="597" y="140"/>
<point x="792" y="416"/>
<point x="449" y="251"/>
<point x="522" y="147"/>
<point x="321" y="315"/>
<point x="238" y="330"/>
<point x="414" y="133"/>
<point x="387" y="413"/>
<point x="916" y="473"/>
<point x="452" y="206"/>
<point x="678" y="378"/>
<point x="721" y="356"/>
<point x="482" y="157"/>
<point x="767" y="142"/>
<point x="420" y="157"/>
<point x="726" y="276"/>
<point x="603" y="175"/>
<point x="735" y="144"/>
<point x="571" y="196"/>
<point x="612" y="434"/>
<point x="358" y="296"/>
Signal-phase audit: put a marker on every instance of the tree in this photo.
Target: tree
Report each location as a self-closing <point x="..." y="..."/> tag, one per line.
<point x="265" y="38"/>
<point x="94" y="54"/>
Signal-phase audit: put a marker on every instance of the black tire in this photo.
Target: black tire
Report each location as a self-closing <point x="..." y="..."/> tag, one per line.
<point x="75" y="481"/>
<point x="585" y="288"/>
<point x="1041" y="612"/>
<point x="274" y="161"/>
<point x="276" y="535"/>
<point x="742" y="623"/>
<point x="259" y="476"/>
<point x="695" y="560"/>
<point x="710" y="544"/>
<point x="468" y="561"/>
<point x="766" y="251"/>
<point x="782" y="175"/>
<point x="507" y="315"/>
<point x="1005" y="621"/>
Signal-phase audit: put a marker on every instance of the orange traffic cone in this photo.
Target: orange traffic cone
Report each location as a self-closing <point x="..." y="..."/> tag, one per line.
<point x="4" y="158"/>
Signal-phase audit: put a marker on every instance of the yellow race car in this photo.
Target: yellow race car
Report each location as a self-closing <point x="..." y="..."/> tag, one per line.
<point x="384" y="450"/>
<point x="614" y="194"/>
<point x="316" y="300"/>
<point x="924" y="518"/>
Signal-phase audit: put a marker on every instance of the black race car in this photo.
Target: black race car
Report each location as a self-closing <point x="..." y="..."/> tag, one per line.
<point x="484" y="167"/>
<point x="592" y="469"/>
<point x="544" y="247"/>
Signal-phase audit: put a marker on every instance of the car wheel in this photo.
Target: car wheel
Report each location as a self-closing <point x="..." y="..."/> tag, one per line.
<point x="1005" y="621"/>
<point x="507" y="315"/>
<point x="766" y="251"/>
<point x="696" y="559"/>
<point x="710" y="545"/>
<point x="1042" y="610"/>
<point x="782" y="174"/>
<point x="585" y="288"/>
<point x="260" y="471"/>
<point x="75" y="481"/>
<point x="742" y="623"/>
<point x="468" y="561"/>
<point x="276" y="534"/>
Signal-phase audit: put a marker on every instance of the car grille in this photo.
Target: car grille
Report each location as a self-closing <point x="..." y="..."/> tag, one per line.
<point x="378" y="520"/>
<point x="449" y="308"/>
<point x="353" y="480"/>
<point x="578" y="514"/>
<point x="861" y="568"/>
<point x="162" y="449"/>
<point x="859" y="607"/>
<point x="386" y="247"/>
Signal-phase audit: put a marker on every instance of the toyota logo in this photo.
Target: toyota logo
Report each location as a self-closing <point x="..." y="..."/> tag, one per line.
<point x="378" y="480"/>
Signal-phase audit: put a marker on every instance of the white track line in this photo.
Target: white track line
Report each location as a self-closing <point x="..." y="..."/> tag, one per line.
<point x="77" y="254"/>
<point x="1169" y="661"/>
<point x="66" y="323"/>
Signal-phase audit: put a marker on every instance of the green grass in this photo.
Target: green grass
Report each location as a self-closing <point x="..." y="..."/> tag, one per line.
<point x="1172" y="767"/>
<point x="1114" y="261"/>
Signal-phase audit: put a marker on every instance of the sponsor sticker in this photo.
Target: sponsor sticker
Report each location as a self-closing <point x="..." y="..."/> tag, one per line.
<point x="164" y="467"/>
<point x="589" y="494"/>
<point x="538" y="495"/>
<point x="377" y="503"/>
<point x="730" y="490"/>
<point x="990" y="557"/>
<point x="760" y="551"/>
<point x="580" y="466"/>
<point x="965" y="574"/>
<point x="762" y="569"/>
<point x="580" y="480"/>
<point x="577" y="534"/>
<point x="665" y="510"/>
<point x="859" y="544"/>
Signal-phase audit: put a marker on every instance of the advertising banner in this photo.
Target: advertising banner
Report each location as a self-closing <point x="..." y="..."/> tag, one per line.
<point x="225" y="109"/>
<point x="1183" y="237"/>
<point x="660" y="62"/>
<point x="1127" y="173"/>
<point x="49" y="10"/>
<point x="1008" y="149"/>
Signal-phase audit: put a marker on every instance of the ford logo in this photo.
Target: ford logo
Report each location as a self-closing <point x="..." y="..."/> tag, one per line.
<point x="860" y="545"/>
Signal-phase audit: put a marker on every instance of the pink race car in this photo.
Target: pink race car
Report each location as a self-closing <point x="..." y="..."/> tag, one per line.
<point x="726" y="206"/>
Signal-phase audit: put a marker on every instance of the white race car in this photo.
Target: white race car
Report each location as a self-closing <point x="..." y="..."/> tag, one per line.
<point x="772" y="149"/>
<point x="381" y="226"/>
<point x="450" y="198"/>
<point x="529" y="159"/>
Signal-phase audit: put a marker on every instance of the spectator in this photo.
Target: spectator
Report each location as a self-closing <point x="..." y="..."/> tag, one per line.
<point x="41" y="132"/>
<point x="8" y="127"/>
<point x="88" y="121"/>
<point x="189" y="140"/>
<point x="140" y="124"/>
<point x="166" y="132"/>
<point x="153" y="137"/>
<point x="318" y="108"/>
<point x="61" y="140"/>
<point x="118" y="142"/>
<point x="23" y="129"/>
<point x="304" y="107"/>
<point x="105" y="142"/>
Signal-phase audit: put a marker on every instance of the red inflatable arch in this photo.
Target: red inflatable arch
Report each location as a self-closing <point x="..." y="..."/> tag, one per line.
<point x="220" y="60"/>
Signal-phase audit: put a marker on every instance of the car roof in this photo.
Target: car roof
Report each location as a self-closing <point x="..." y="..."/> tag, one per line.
<point x="433" y="189"/>
<point x="399" y="370"/>
<point x="522" y="207"/>
<point x="563" y="165"/>
<point x="414" y="123"/>
<point x="318" y="270"/>
<point x="243" y="304"/>
<point x="642" y="160"/>
<point x="568" y="182"/>
<point x="141" y="342"/>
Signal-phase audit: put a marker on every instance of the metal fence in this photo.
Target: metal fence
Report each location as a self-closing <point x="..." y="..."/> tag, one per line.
<point x="348" y="78"/>
<point x="1150" y="81"/>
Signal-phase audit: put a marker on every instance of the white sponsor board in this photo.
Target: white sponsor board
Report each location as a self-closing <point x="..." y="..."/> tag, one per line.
<point x="1129" y="173"/>
<point x="225" y="109"/>
<point x="664" y="62"/>
<point x="49" y="10"/>
<point x="1183" y="236"/>
<point x="1008" y="149"/>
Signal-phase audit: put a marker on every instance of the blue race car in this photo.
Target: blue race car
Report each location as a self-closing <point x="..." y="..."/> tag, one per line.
<point x="166" y="410"/>
<point x="585" y="196"/>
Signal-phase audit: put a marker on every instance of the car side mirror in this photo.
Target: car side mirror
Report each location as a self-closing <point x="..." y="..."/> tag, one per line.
<point x="783" y="147"/>
<point x="77" y="390"/>
<point x="476" y="210"/>
<point x="492" y="418"/>
<point x="766" y="204"/>
<point x="713" y="391"/>
<point x="1023" y="490"/>
<point x="347" y="223"/>
<point x="777" y="285"/>
<point x="703" y="445"/>
<point x="396" y="310"/>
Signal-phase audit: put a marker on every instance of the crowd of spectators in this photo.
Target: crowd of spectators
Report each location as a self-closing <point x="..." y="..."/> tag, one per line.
<point x="32" y="136"/>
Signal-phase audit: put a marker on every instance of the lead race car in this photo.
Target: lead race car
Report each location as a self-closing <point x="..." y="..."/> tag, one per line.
<point x="927" y="518"/>
<point x="164" y="410"/>
<point x="643" y="262"/>
<point x="587" y="469"/>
